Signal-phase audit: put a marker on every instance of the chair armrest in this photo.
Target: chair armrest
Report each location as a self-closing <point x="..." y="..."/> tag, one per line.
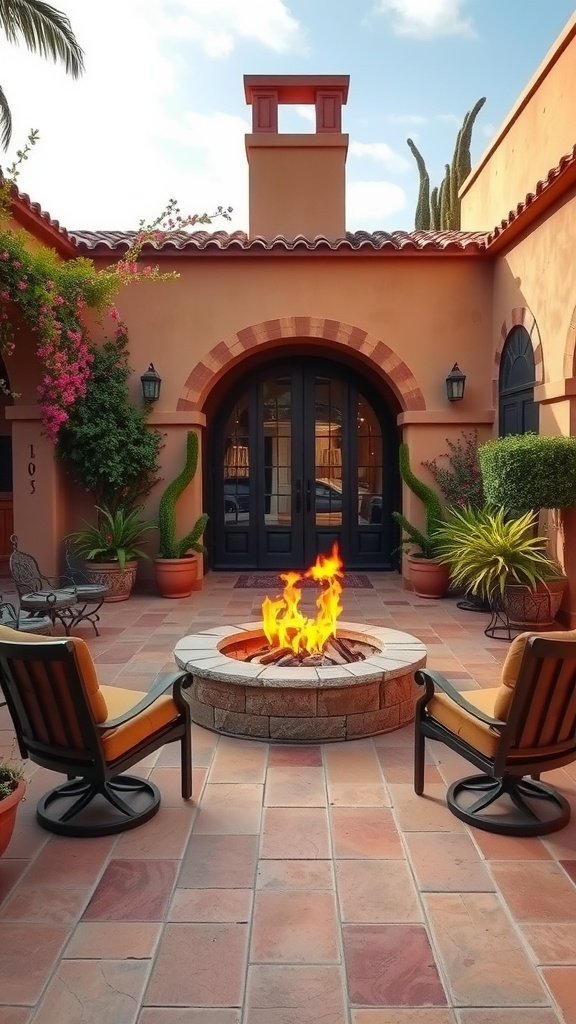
<point x="161" y="686"/>
<point x="429" y="679"/>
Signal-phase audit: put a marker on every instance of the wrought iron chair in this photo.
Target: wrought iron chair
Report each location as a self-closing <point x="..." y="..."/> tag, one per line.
<point x="26" y="623"/>
<point x="39" y="594"/>
<point x="90" y="595"/>
<point x="65" y="721"/>
<point x="525" y="726"/>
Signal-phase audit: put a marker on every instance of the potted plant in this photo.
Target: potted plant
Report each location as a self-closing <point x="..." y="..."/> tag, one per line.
<point x="12" y="789"/>
<point x="502" y="560"/>
<point x="176" y="566"/>
<point x="111" y="549"/>
<point x="428" y="576"/>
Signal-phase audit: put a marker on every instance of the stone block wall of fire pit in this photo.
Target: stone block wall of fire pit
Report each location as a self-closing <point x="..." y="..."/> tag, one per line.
<point x="301" y="705"/>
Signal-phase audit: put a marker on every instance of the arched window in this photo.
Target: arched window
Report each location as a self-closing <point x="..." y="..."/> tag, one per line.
<point x="518" y="413"/>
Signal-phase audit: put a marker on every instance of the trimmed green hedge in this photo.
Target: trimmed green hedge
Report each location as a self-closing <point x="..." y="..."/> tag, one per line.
<point x="529" y="471"/>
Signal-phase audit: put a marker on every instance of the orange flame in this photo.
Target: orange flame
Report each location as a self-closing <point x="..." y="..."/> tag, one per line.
<point x="284" y="623"/>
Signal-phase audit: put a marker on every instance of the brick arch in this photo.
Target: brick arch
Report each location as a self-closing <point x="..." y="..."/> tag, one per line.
<point x="519" y="317"/>
<point x="392" y="369"/>
<point x="570" y="349"/>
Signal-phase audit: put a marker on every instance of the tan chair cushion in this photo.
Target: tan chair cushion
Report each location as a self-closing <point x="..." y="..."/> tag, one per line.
<point x="511" y="667"/>
<point x="84" y="660"/>
<point x="119" y="741"/>
<point x="445" y="711"/>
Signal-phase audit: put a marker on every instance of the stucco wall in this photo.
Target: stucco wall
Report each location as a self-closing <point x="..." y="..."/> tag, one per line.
<point x="536" y="134"/>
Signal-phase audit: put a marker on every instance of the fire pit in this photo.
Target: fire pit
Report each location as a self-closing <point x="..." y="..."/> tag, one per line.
<point x="296" y="679"/>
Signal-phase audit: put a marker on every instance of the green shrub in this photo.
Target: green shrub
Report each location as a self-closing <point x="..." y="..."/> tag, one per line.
<point x="460" y="481"/>
<point x="170" y="546"/>
<point x="529" y="471"/>
<point x="413" y="537"/>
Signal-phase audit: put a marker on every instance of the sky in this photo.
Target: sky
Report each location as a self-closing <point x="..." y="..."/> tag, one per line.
<point x="160" y="112"/>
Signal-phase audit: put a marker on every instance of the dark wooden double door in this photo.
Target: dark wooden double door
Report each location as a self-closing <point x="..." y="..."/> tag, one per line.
<point x="303" y="454"/>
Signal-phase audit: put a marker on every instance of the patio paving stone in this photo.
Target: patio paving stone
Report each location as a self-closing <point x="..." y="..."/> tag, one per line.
<point x="301" y="884"/>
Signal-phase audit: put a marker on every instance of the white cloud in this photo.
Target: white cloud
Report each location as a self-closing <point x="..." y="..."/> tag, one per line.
<point x="427" y="19"/>
<point x="137" y="128"/>
<point x="381" y="152"/>
<point x="370" y="203"/>
<point x="308" y="113"/>
<point x="449" y="119"/>
<point x="218" y="25"/>
<point x="489" y="130"/>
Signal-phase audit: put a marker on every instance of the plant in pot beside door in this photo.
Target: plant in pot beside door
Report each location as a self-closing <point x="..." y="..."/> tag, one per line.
<point x="111" y="549"/>
<point x="12" y="789"/>
<point x="428" y="576"/>
<point x="176" y="565"/>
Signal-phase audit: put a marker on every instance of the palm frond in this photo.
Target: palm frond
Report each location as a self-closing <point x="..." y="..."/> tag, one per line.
<point x="43" y="30"/>
<point x="5" y="120"/>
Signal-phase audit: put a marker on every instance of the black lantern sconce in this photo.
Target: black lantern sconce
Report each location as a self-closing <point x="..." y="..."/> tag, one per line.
<point x="151" y="381"/>
<point x="455" y="383"/>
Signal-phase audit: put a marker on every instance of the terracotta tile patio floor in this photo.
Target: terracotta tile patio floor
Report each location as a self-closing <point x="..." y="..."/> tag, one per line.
<point x="303" y="885"/>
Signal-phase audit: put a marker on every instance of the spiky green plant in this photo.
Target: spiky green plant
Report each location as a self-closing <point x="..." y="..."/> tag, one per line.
<point x="115" y="538"/>
<point x="170" y="547"/>
<point x="485" y="550"/>
<point x="439" y="210"/>
<point x="425" y="542"/>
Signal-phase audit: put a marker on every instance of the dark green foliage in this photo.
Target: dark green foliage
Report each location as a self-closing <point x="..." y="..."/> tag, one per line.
<point x="115" y="538"/>
<point x="529" y="471"/>
<point x="106" y="444"/>
<point x="440" y="210"/>
<point x="460" y="481"/>
<point x="10" y="775"/>
<point x="434" y="512"/>
<point x="170" y="547"/>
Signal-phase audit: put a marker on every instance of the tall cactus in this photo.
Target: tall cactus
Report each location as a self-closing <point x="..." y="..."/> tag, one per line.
<point x="440" y="209"/>
<point x="423" y="209"/>
<point x="170" y="547"/>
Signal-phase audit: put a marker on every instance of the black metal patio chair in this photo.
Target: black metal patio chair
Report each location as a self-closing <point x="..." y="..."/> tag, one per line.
<point x="65" y="721"/>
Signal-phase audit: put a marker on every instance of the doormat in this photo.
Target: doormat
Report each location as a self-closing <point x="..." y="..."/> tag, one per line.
<point x="271" y="581"/>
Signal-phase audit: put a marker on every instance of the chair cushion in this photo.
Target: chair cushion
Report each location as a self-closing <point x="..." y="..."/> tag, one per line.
<point x="443" y="710"/>
<point x="119" y="741"/>
<point x="511" y="667"/>
<point x="84" y="661"/>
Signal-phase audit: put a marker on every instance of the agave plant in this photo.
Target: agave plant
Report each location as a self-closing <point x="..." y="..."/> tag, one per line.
<point x="485" y="550"/>
<point x="115" y="538"/>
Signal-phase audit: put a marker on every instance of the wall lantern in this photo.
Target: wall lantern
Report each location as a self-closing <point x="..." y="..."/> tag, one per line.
<point x="151" y="381"/>
<point x="455" y="382"/>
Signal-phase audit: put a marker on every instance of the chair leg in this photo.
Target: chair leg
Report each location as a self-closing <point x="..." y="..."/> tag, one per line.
<point x="419" y="755"/>
<point x="186" y="763"/>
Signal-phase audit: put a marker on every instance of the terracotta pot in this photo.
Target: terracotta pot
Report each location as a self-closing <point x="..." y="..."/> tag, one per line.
<point x="176" y="577"/>
<point x="526" y="607"/>
<point x="8" y="808"/>
<point x="120" y="581"/>
<point x="429" y="578"/>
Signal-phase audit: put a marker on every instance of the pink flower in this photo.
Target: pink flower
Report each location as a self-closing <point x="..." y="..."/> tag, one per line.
<point x="22" y="285"/>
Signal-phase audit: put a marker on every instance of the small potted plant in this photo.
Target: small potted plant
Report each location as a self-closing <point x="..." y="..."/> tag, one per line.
<point x="428" y="576"/>
<point x="176" y="565"/>
<point x="12" y="789"/>
<point x="502" y="559"/>
<point x="111" y="549"/>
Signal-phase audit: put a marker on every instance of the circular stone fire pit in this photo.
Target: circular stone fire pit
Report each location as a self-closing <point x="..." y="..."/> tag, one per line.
<point x="307" y="703"/>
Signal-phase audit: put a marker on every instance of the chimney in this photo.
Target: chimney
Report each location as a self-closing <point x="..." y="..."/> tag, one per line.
<point x="297" y="182"/>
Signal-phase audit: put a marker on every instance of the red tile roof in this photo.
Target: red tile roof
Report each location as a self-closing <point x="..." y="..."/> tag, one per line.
<point x="36" y="220"/>
<point x="238" y="241"/>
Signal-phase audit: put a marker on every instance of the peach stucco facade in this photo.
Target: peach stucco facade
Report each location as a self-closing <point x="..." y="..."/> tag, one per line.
<point x="390" y="312"/>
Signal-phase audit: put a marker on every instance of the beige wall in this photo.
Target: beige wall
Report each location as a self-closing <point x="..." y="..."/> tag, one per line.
<point x="536" y="134"/>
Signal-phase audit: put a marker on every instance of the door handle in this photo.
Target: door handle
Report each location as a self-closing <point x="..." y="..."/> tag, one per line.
<point x="308" y="496"/>
<point x="298" y="496"/>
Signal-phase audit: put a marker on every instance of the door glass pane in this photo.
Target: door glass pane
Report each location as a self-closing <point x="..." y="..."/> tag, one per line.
<point x="370" y="468"/>
<point x="328" y="451"/>
<point x="237" y="465"/>
<point x="277" y="395"/>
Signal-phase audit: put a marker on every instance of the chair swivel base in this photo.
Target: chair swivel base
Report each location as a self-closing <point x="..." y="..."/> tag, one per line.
<point x="519" y="806"/>
<point x="83" y="808"/>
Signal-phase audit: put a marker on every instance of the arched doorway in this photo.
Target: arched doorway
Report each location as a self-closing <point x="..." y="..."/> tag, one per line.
<point x="303" y="453"/>
<point x="518" y="412"/>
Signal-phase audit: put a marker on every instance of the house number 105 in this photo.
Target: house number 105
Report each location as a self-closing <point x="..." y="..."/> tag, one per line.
<point x="32" y="469"/>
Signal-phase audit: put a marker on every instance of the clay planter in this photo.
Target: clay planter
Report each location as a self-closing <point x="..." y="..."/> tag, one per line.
<point x="528" y="608"/>
<point x="175" y="577"/>
<point x="428" y="578"/>
<point x="8" y="808"/>
<point x="120" y="581"/>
